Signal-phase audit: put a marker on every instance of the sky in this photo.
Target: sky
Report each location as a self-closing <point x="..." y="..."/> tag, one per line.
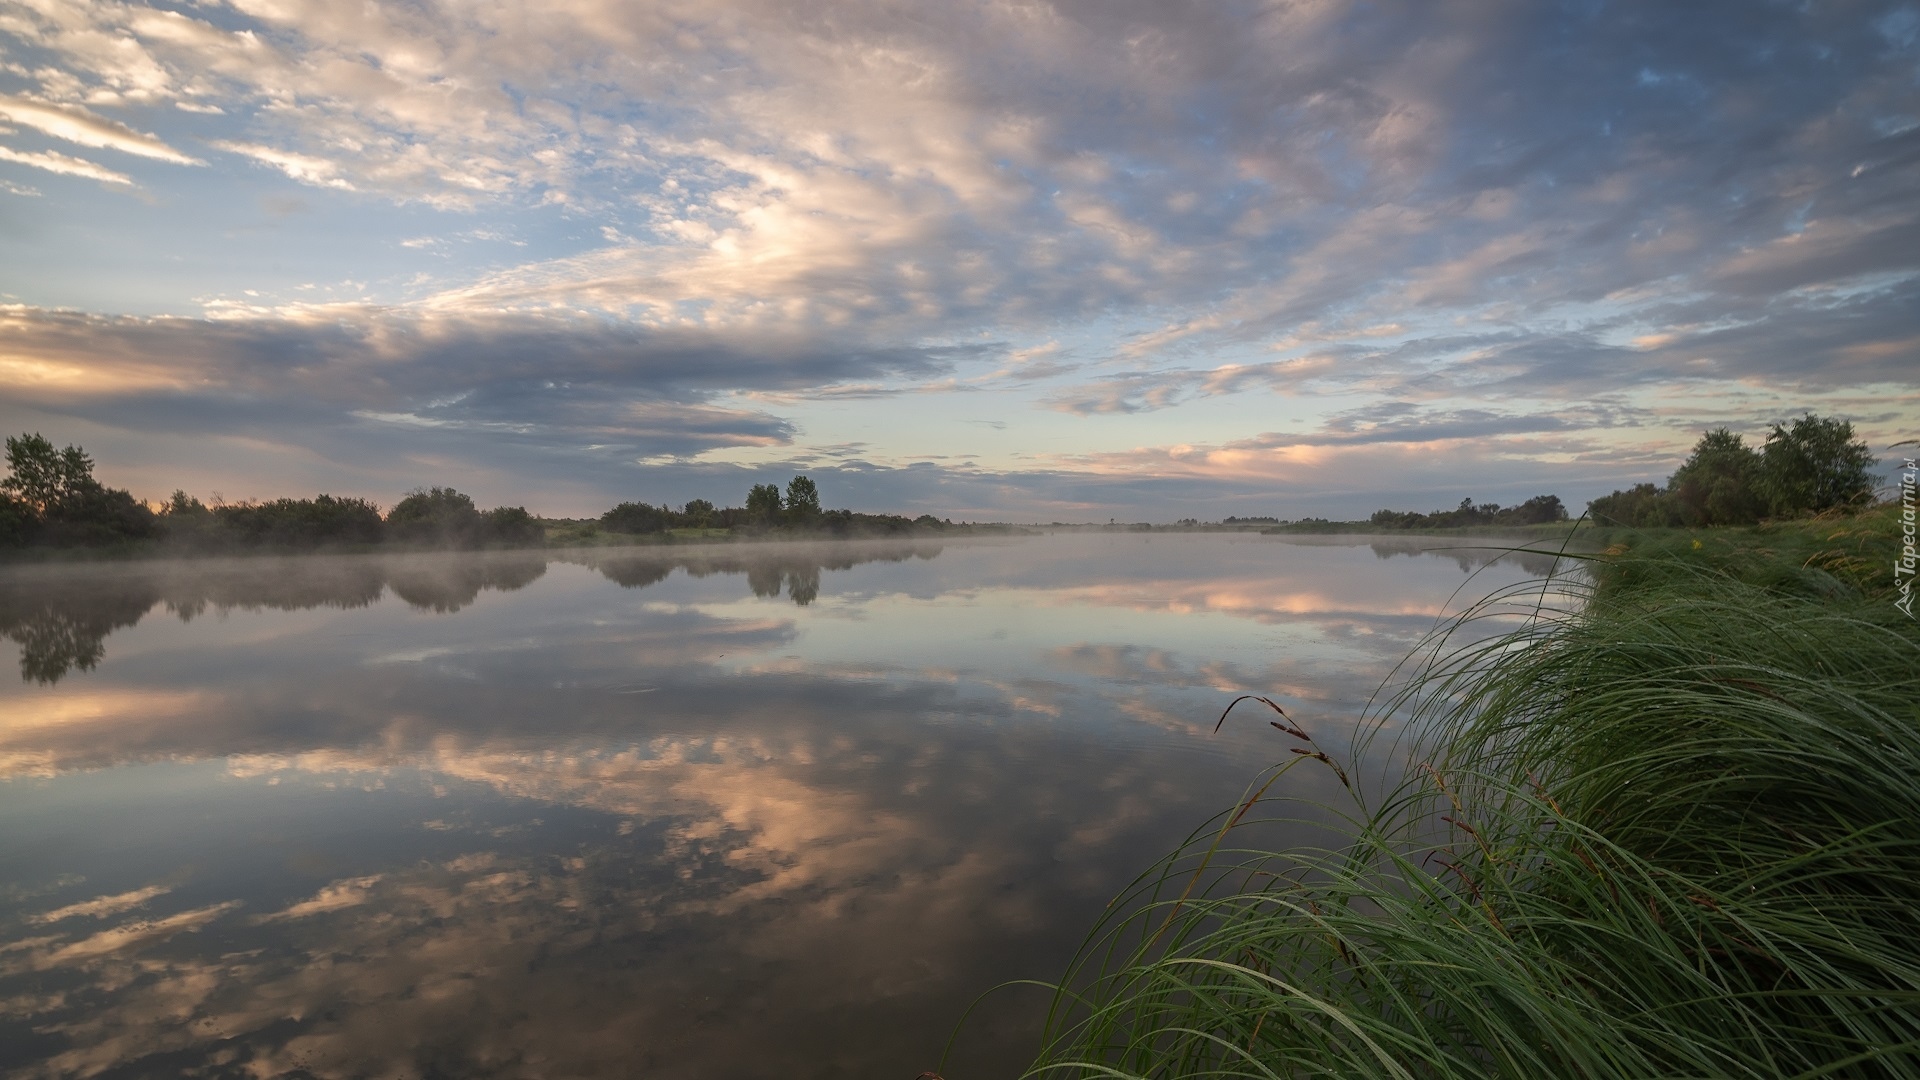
<point x="1026" y="261"/>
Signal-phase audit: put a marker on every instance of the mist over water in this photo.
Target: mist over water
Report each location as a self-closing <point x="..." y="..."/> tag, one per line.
<point x="753" y="810"/>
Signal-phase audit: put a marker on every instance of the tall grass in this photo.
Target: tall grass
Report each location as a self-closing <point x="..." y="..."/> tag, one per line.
<point x="1668" y="827"/>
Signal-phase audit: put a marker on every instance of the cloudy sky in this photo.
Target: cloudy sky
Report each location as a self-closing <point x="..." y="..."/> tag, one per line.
<point x="1029" y="260"/>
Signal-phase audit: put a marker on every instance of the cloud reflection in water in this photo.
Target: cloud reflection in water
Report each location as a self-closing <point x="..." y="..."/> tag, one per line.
<point x="527" y="822"/>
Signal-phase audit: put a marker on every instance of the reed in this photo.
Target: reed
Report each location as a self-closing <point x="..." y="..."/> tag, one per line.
<point x="1668" y="825"/>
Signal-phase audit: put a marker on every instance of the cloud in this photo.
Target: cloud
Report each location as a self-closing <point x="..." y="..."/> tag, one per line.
<point x="569" y="415"/>
<point x="1404" y="422"/>
<point x="130" y="936"/>
<point x="1130" y="393"/>
<point x="54" y="161"/>
<point x="928" y="163"/>
<point x="1847" y="325"/>
<point x="80" y="125"/>
<point x="104" y="906"/>
<point x="305" y="168"/>
<point x="1125" y="215"/>
<point x="544" y="379"/>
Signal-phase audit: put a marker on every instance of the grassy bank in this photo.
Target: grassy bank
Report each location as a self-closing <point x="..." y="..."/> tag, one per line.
<point x="1666" y="827"/>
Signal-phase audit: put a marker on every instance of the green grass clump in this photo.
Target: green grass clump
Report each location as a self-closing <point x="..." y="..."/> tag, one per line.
<point x="1833" y="556"/>
<point x="1669" y="827"/>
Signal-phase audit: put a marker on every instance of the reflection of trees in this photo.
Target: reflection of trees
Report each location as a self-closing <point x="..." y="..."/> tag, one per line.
<point x="273" y="584"/>
<point x="61" y="616"/>
<point x="635" y="575"/>
<point x="764" y="579"/>
<point x="802" y="580"/>
<point x="446" y="585"/>
<point x="770" y="570"/>
<point x="59" y="629"/>
<point x="803" y="584"/>
<point x="1471" y="557"/>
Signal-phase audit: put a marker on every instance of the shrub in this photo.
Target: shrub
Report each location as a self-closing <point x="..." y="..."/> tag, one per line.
<point x="1539" y="510"/>
<point x="1640" y="507"/>
<point x="512" y="526"/>
<point x="301" y="523"/>
<point x="438" y="516"/>
<point x="17" y="521"/>
<point x="637" y="517"/>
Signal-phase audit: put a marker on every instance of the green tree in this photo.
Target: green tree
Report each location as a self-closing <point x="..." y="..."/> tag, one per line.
<point x="46" y="479"/>
<point x="763" y="502"/>
<point x="1719" y="483"/>
<point x="1814" y="465"/>
<point x="51" y="496"/>
<point x="698" y="512"/>
<point x="803" y="499"/>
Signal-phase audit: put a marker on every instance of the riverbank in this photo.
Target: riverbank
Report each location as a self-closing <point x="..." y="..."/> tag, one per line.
<point x="1664" y="828"/>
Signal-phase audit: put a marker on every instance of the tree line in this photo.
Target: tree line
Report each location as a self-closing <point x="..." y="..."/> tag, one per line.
<point x="1808" y="467"/>
<point x="767" y="510"/>
<point x="1539" y="510"/>
<point x="51" y="499"/>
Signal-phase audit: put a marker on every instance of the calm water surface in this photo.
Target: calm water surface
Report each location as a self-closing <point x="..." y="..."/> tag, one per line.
<point x="777" y="811"/>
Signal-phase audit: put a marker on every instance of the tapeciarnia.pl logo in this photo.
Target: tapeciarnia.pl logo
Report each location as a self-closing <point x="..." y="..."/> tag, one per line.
<point x="1903" y="566"/>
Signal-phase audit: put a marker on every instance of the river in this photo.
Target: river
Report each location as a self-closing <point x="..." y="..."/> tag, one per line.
<point x="753" y="810"/>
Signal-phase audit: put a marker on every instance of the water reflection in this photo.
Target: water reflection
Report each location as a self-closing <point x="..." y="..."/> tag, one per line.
<point x="62" y="628"/>
<point x="768" y="568"/>
<point x="61" y="616"/>
<point x="1537" y="558"/>
<point x="531" y="823"/>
